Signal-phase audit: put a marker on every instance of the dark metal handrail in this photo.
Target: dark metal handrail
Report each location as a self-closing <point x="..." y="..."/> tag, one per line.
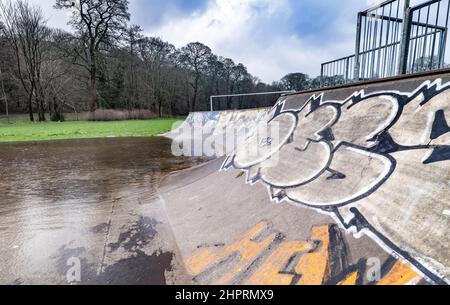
<point x="394" y="38"/>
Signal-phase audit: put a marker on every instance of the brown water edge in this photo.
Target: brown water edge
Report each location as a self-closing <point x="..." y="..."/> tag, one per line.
<point x="94" y="200"/>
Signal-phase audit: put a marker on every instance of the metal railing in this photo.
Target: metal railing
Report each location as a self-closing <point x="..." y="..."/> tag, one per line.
<point x="341" y="68"/>
<point x="212" y="97"/>
<point x="428" y="36"/>
<point x="394" y="38"/>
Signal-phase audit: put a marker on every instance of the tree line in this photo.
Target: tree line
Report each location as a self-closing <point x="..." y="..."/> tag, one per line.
<point x="106" y="63"/>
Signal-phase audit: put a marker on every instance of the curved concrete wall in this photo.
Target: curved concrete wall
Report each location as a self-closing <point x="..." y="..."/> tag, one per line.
<point x="210" y="128"/>
<point x="376" y="160"/>
<point x="379" y="161"/>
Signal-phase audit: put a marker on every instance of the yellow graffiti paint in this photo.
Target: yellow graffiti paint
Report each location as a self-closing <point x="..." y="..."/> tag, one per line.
<point x="200" y="260"/>
<point x="349" y="280"/>
<point x="400" y="274"/>
<point x="269" y="272"/>
<point x="313" y="267"/>
<point x="247" y="249"/>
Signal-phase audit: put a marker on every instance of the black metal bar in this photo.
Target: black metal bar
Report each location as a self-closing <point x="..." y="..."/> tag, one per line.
<point x="423" y="34"/>
<point x="375" y="36"/>
<point x="346" y="71"/>
<point x="426" y="37"/>
<point x="416" y="39"/>
<point x="386" y="43"/>
<point x="362" y="44"/>
<point x="358" y="45"/>
<point x="420" y="6"/>
<point x="434" y="36"/>
<point x="412" y="47"/>
<point x="368" y="24"/>
<point x="421" y="47"/>
<point x="442" y="46"/>
<point x="335" y="60"/>
<point x="381" y="40"/>
<point x="394" y="51"/>
<point x="399" y="20"/>
<point x="444" y="42"/>
<point x="366" y="46"/>
<point x="404" y="46"/>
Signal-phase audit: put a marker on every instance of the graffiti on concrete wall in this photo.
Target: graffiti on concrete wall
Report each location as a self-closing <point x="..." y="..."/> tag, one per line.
<point x="263" y="256"/>
<point x="213" y="134"/>
<point x="332" y="154"/>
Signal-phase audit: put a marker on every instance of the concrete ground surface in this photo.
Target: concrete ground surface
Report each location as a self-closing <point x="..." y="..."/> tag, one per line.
<point x="229" y="232"/>
<point x="87" y="208"/>
<point x="358" y="181"/>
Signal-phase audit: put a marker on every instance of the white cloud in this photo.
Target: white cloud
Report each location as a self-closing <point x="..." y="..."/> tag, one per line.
<point x="222" y="22"/>
<point x="55" y="18"/>
<point x="253" y="32"/>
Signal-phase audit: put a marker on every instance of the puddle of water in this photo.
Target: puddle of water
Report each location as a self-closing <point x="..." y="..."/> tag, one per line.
<point x="85" y="170"/>
<point x="93" y="199"/>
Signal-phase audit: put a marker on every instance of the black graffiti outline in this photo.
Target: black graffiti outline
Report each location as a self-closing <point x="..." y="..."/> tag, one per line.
<point x="360" y="223"/>
<point x="230" y="159"/>
<point x="385" y="145"/>
<point x="317" y="175"/>
<point x="317" y="104"/>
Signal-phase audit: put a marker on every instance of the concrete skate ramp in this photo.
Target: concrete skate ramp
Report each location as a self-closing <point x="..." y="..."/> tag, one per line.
<point x="360" y="192"/>
<point x="208" y="128"/>
<point x="217" y="121"/>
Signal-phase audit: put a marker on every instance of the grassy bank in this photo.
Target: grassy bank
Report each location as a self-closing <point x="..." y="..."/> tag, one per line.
<point x="19" y="129"/>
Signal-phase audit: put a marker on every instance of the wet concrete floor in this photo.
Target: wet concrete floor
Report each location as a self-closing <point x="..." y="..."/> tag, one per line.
<point x="87" y="210"/>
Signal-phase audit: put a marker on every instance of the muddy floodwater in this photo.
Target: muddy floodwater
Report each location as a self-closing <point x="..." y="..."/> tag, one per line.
<point x="87" y="211"/>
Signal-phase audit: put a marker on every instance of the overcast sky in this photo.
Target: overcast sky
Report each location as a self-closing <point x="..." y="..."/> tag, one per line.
<point x="271" y="37"/>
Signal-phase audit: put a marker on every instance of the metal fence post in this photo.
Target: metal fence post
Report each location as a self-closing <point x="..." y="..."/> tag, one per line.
<point x="443" y="44"/>
<point x="347" y="68"/>
<point x="405" y="39"/>
<point x="321" y="75"/>
<point x="357" y="47"/>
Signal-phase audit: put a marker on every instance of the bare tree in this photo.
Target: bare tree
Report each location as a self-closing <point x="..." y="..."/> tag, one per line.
<point x="99" y="23"/>
<point x="4" y="97"/>
<point x="58" y="72"/>
<point x="228" y="68"/>
<point x="196" y="57"/>
<point x="132" y="38"/>
<point x="156" y="55"/>
<point x="25" y="27"/>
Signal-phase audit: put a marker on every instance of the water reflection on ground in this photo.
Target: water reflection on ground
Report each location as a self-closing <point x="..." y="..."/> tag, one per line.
<point x="91" y="200"/>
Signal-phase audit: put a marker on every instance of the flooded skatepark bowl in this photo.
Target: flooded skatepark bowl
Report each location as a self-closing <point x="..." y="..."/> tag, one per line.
<point x="87" y="211"/>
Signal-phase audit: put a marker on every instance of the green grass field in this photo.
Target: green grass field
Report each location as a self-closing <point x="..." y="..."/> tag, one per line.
<point x="19" y="129"/>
